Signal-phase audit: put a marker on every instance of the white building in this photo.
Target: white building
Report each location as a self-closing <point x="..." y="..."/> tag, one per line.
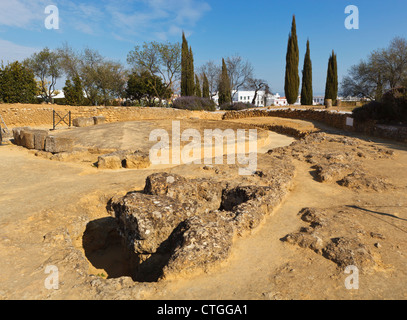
<point x="262" y="100"/>
<point x="277" y="100"/>
<point x="248" y="96"/>
<point x="318" y="100"/>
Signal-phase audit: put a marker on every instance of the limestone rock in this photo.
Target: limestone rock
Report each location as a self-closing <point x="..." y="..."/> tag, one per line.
<point x="83" y="122"/>
<point x="205" y="192"/>
<point x="305" y="240"/>
<point x="27" y="138"/>
<point x="137" y="160"/>
<point x="39" y="139"/>
<point x="316" y="217"/>
<point x="99" y="120"/>
<point x="110" y="161"/>
<point x="146" y="221"/>
<point x="198" y="244"/>
<point x="55" y="144"/>
<point x="347" y="247"/>
<point x="348" y="251"/>
<point x="30" y="138"/>
<point x="180" y="226"/>
<point x="124" y="159"/>
<point x="360" y="180"/>
<point x="17" y="135"/>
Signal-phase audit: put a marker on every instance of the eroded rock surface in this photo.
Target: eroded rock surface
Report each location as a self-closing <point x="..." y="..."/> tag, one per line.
<point x="194" y="221"/>
<point x="344" y="165"/>
<point x="345" y="247"/>
<point x="124" y="159"/>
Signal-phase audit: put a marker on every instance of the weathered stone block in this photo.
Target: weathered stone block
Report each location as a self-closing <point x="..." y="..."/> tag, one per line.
<point x="137" y="160"/>
<point x="83" y="122"/>
<point x="109" y="161"/>
<point x="197" y="244"/>
<point x="39" y="139"/>
<point x="328" y="103"/>
<point x="99" y="120"/>
<point x="56" y="144"/>
<point x="27" y="138"/>
<point x="147" y="221"/>
<point x="17" y="135"/>
<point x="203" y="193"/>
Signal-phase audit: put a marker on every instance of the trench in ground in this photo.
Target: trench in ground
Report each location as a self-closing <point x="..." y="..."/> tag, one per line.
<point x="111" y="257"/>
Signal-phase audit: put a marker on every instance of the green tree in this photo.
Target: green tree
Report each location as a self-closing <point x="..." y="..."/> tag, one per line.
<point x="162" y="60"/>
<point x="187" y="69"/>
<point x="142" y="87"/>
<point x="292" y="79"/>
<point x="184" y="66"/>
<point x="198" y="91"/>
<point x="73" y="91"/>
<point x="110" y="81"/>
<point x="102" y="80"/>
<point x="306" y="91"/>
<point x="331" y="88"/>
<point x="17" y="84"/>
<point x="191" y="74"/>
<point x="46" y="66"/>
<point x="225" y="92"/>
<point x="205" y="87"/>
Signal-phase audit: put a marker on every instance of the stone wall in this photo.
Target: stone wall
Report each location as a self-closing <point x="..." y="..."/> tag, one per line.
<point x="21" y="115"/>
<point x="331" y="118"/>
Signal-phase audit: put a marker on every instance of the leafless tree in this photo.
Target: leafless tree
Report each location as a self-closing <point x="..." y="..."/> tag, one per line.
<point x="384" y="69"/>
<point x="240" y="71"/>
<point x="212" y="72"/>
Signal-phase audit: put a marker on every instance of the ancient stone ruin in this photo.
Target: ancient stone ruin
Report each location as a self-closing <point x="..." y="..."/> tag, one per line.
<point x="124" y="159"/>
<point x="41" y="140"/>
<point x="178" y="226"/>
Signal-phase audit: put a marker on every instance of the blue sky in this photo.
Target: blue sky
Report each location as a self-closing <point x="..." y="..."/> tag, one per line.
<point x="256" y="30"/>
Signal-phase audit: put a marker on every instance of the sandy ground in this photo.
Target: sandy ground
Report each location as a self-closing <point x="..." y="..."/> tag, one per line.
<point x="39" y="196"/>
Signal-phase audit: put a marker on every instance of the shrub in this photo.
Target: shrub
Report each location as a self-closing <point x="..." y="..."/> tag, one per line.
<point x="392" y="109"/>
<point x="194" y="103"/>
<point x="236" y="106"/>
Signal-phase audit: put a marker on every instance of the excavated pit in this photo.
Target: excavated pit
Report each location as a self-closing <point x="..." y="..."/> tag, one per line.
<point x="106" y="249"/>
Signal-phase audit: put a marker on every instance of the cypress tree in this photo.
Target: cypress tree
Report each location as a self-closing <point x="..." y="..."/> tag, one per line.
<point x="306" y="91"/>
<point x="225" y="91"/>
<point x="331" y="88"/>
<point x="191" y="74"/>
<point x="292" y="78"/>
<point x="184" y="66"/>
<point x="205" y="87"/>
<point x="198" y="91"/>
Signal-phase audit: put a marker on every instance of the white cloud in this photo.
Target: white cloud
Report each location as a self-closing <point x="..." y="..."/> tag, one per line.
<point x="159" y="18"/>
<point x="11" y="51"/>
<point x="127" y="18"/>
<point x="22" y="13"/>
